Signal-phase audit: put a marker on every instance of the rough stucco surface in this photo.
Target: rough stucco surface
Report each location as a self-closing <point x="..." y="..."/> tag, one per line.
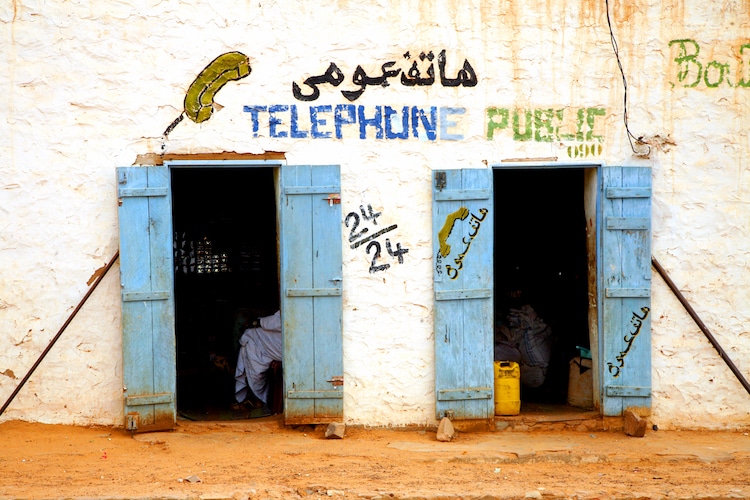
<point x="89" y="86"/>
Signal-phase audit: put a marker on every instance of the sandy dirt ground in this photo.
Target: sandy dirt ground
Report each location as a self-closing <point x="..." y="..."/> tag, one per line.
<point x="258" y="460"/>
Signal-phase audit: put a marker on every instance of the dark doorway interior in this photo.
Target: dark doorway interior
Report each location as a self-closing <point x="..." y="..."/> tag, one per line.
<point x="226" y="271"/>
<point x="541" y="264"/>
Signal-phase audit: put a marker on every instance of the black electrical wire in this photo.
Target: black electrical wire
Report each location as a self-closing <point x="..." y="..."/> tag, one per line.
<point x="616" y="50"/>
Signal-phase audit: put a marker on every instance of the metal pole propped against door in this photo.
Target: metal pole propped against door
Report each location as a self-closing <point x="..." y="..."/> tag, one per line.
<point x="700" y="324"/>
<point x="62" y="329"/>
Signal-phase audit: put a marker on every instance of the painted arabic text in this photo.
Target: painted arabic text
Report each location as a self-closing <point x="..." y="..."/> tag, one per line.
<point x="637" y="322"/>
<point x="410" y="77"/>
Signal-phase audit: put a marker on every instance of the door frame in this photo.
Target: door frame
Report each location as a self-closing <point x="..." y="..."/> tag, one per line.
<point x="190" y="163"/>
<point x="595" y="338"/>
<point x="159" y="408"/>
<point x="327" y="404"/>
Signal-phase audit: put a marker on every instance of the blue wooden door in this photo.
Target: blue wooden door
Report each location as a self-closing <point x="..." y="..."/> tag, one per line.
<point x="625" y="361"/>
<point x="311" y="284"/>
<point x="463" y="276"/>
<point x="147" y="280"/>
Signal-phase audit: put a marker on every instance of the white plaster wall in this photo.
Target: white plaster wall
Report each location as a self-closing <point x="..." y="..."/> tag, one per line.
<point x="701" y="228"/>
<point x="92" y="85"/>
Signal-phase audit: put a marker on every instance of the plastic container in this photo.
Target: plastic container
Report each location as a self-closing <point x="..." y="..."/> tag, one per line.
<point x="507" y="388"/>
<point x="584" y="352"/>
<point x="581" y="383"/>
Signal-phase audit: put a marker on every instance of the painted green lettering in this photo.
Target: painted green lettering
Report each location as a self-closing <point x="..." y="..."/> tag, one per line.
<point x="497" y="118"/>
<point x="722" y="67"/>
<point x="561" y="120"/>
<point x="743" y="82"/>
<point x="591" y="114"/>
<point x="579" y="126"/>
<point x="685" y="60"/>
<point x="517" y="135"/>
<point x="543" y="122"/>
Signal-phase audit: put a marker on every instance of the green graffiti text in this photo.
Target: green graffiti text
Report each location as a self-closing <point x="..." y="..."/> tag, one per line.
<point x="693" y="72"/>
<point x="545" y="124"/>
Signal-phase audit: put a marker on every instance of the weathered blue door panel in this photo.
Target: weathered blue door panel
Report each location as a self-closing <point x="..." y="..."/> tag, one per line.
<point x="626" y="284"/>
<point x="463" y="276"/>
<point x="147" y="280"/>
<point x="311" y="305"/>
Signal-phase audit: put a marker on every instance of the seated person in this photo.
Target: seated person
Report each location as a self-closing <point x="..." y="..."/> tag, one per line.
<point x="260" y="345"/>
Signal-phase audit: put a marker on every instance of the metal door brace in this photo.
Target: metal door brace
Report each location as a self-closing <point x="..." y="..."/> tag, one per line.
<point x="62" y="329"/>
<point x="694" y="315"/>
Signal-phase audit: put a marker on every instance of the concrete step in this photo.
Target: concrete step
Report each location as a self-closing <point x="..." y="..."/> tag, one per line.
<point x="553" y="417"/>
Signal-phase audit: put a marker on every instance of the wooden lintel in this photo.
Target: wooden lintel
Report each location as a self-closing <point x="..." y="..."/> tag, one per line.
<point x="546" y="159"/>
<point x="159" y="159"/>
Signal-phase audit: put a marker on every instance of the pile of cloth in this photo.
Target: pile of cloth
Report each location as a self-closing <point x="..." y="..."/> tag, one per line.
<point x="260" y="345"/>
<point x="527" y="340"/>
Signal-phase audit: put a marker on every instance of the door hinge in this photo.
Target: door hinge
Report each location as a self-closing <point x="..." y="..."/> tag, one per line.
<point x="440" y="181"/>
<point x="132" y="420"/>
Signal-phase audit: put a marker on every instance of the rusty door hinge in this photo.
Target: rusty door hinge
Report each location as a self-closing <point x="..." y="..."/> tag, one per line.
<point x="440" y="180"/>
<point x="132" y="420"/>
<point x="333" y="199"/>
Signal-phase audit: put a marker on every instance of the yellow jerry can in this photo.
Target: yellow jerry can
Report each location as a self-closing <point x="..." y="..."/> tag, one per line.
<point x="507" y="388"/>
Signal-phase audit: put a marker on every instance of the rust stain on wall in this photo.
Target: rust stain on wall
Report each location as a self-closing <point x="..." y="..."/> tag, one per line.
<point x="672" y="14"/>
<point x="592" y="12"/>
<point x="96" y="274"/>
<point x="623" y="12"/>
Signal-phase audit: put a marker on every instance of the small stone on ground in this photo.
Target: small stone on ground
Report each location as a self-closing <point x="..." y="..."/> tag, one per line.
<point x="633" y="424"/>
<point x="335" y="430"/>
<point x="445" y="431"/>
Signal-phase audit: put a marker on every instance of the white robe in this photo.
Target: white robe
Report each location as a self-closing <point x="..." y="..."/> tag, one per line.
<point x="258" y="348"/>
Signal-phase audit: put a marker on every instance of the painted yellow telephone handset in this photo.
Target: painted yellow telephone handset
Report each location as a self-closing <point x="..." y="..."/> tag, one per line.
<point x="199" y="100"/>
<point x="227" y="67"/>
<point x="461" y="214"/>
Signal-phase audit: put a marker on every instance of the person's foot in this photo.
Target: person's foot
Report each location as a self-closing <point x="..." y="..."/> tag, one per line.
<point x="247" y="405"/>
<point x="220" y="362"/>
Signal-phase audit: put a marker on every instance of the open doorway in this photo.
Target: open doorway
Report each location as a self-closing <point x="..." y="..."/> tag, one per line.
<point x="542" y="269"/>
<point x="226" y="274"/>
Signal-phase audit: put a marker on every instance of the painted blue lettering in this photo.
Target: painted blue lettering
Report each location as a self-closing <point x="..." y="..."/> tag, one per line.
<point x="274" y="120"/>
<point x="317" y="121"/>
<point x="376" y="121"/>
<point x="389" y="122"/>
<point x="295" y="132"/>
<point x="254" y="110"/>
<point x="446" y="123"/>
<point x="418" y="115"/>
<point x="391" y="118"/>
<point x="339" y="119"/>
